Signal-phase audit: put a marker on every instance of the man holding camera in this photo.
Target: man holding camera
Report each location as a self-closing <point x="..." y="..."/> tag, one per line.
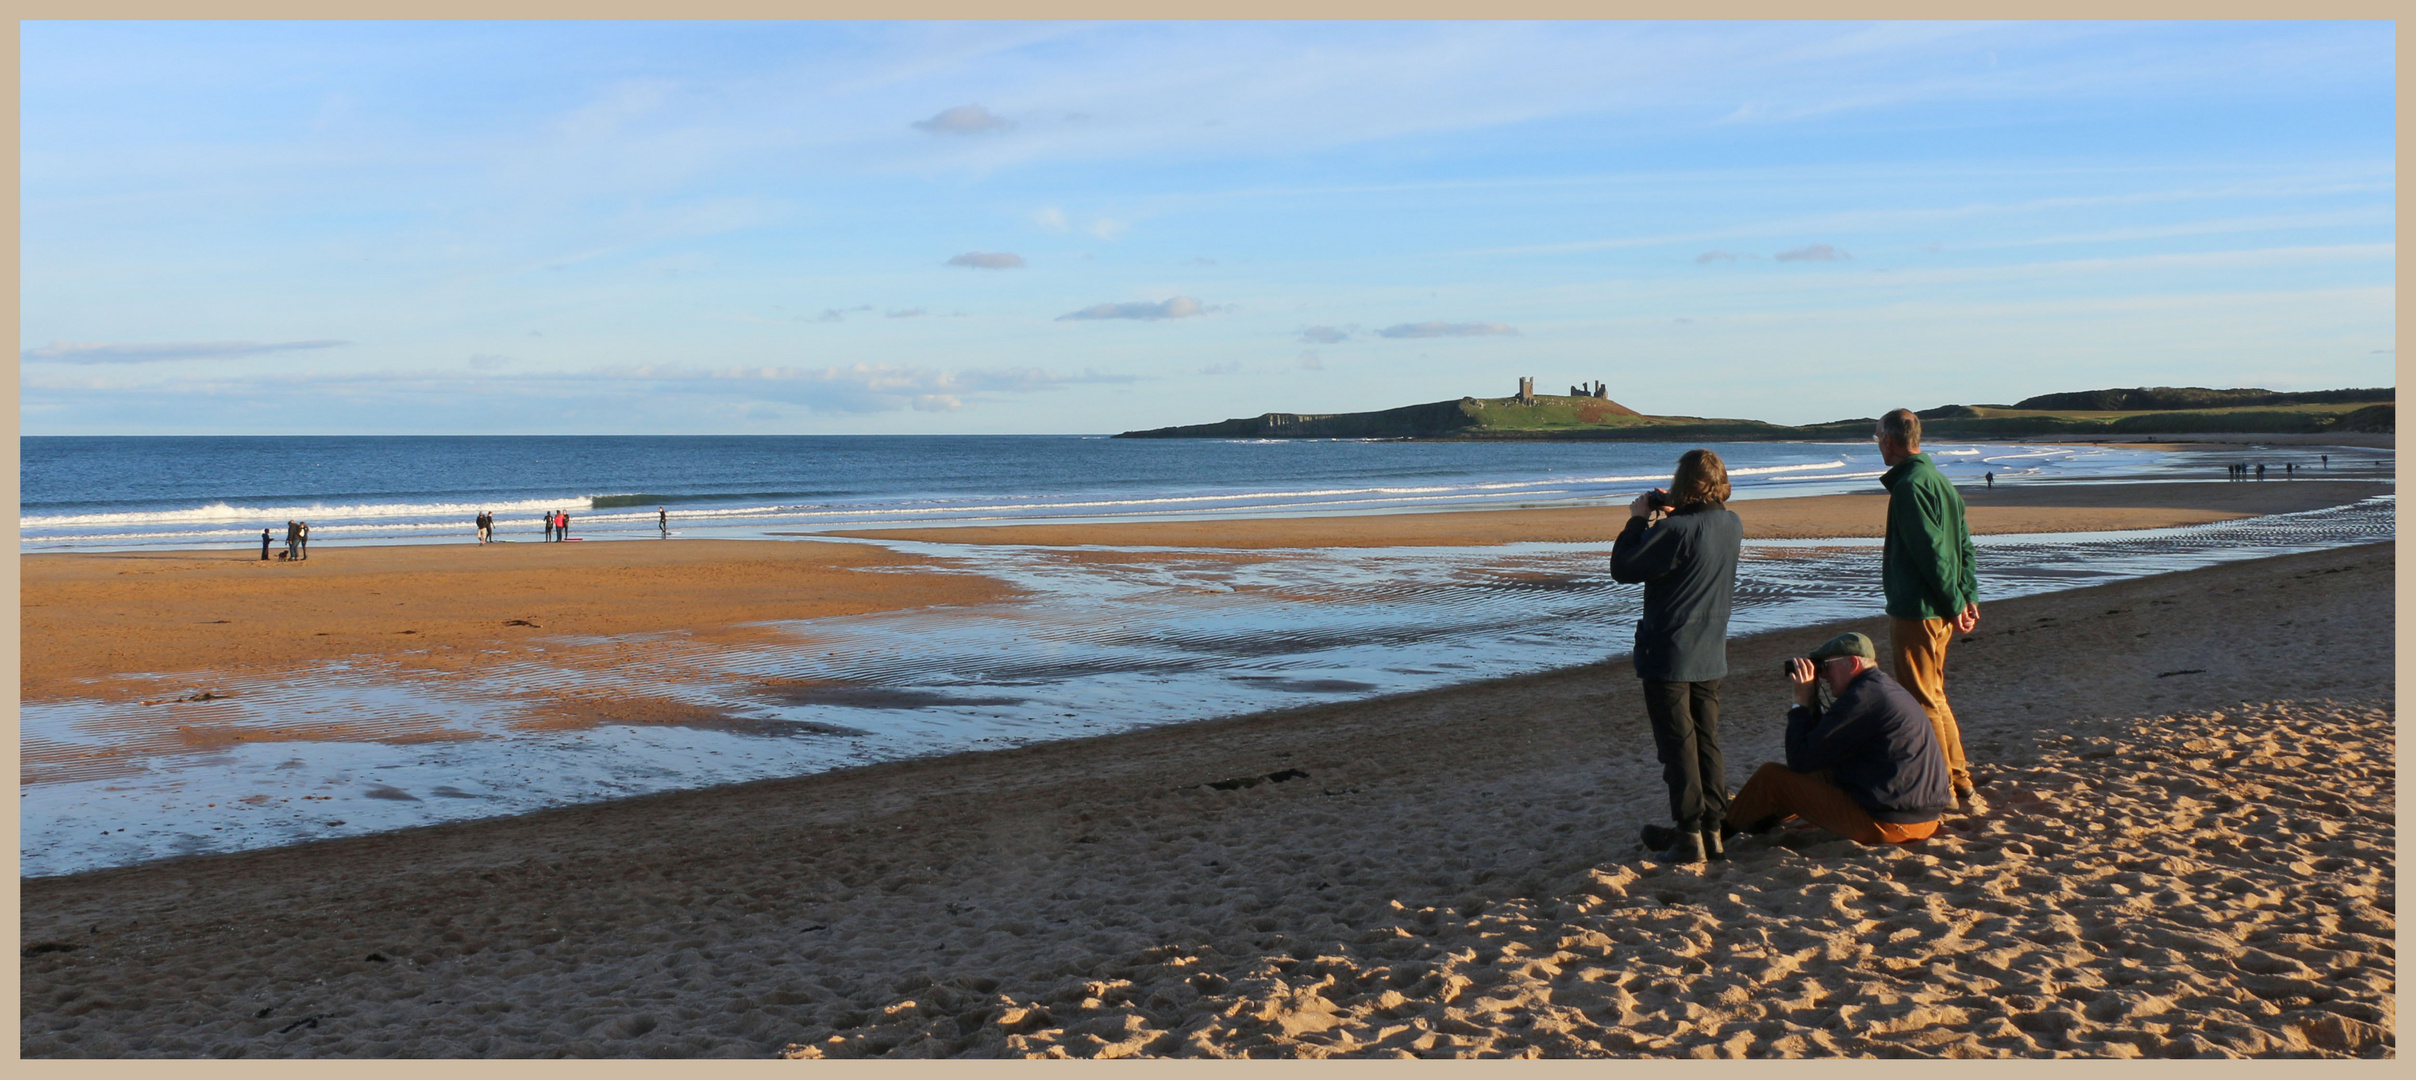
<point x="1926" y="568"/>
<point x="1866" y="767"/>
<point x="1681" y="545"/>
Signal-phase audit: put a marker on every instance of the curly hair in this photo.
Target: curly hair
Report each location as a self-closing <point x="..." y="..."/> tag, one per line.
<point x="1702" y="478"/>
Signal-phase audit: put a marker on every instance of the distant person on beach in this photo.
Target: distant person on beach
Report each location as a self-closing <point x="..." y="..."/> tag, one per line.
<point x="1927" y="568"/>
<point x="549" y="525"/>
<point x="264" y="545"/>
<point x="1681" y="545"/>
<point x="662" y="520"/>
<point x="1865" y="767"/>
<point x="2260" y="470"/>
<point x="2327" y="461"/>
<point x="1991" y="478"/>
<point x="293" y="539"/>
<point x="562" y="525"/>
<point x="303" y="538"/>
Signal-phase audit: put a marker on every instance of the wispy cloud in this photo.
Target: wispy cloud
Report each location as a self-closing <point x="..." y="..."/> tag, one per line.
<point x="838" y="314"/>
<point x="989" y="260"/>
<point x="1813" y="253"/>
<point x="964" y="120"/>
<point x="1324" y="335"/>
<point x="1108" y="228"/>
<point x="130" y="352"/>
<point x="907" y="313"/>
<point x="1050" y="218"/>
<point x="1710" y="257"/>
<point x="488" y="362"/>
<point x="1176" y="308"/>
<point x="1445" y="329"/>
<point x="1229" y="367"/>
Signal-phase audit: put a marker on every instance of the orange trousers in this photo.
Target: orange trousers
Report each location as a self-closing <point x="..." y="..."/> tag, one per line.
<point x="1920" y="649"/>
<point x="1778" y="790"/>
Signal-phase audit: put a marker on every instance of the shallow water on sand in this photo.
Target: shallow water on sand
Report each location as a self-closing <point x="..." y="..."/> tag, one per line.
<point x="1093" y="648"/>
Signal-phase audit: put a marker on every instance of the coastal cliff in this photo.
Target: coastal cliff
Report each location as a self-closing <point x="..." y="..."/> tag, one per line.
<point x="2123" y="413"/>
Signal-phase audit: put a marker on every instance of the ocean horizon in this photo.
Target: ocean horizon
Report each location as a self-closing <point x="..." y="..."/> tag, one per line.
<point x="98" y="493"/>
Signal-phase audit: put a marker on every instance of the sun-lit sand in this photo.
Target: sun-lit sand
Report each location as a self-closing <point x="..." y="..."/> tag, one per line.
<point x="2008" y="508"/>
<point x="2182" y="853"/>
<point x="435" y="606"/>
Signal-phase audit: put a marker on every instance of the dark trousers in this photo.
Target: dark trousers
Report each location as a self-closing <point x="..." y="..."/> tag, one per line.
<point x="1686" y="731"/>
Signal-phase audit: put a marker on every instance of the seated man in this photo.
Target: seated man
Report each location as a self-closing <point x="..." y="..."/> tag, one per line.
<point x="1867" y="767"/>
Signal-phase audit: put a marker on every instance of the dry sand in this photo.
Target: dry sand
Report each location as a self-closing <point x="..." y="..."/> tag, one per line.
<point x="2008" y="508"/>
<point x="2185" y="854"/>
<point x="434" y="606"/>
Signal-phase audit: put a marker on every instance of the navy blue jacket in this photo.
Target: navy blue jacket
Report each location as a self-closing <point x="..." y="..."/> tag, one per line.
<point x="1687" y="564"/>
<point x="1876" y="743"/>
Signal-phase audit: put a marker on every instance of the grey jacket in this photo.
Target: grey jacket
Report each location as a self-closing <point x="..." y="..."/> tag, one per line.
<point x="1687" y="564"/>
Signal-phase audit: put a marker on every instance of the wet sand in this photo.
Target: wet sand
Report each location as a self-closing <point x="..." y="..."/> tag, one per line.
<point x="443" y="607"/>
<point x="2008" y="508"/>
<point x="2182" y="855"/>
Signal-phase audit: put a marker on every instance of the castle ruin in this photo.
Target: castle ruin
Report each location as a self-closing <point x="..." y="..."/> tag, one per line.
<point x="1526" y="390"/>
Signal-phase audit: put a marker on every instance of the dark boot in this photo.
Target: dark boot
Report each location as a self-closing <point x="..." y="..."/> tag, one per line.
<point x="1657" y="837"/>
<point x="1712" y="848"/>
<point x="1685" y="848"/>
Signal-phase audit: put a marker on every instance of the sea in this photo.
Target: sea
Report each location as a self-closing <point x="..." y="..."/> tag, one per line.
<point x="99" y="493"/>
<point x="1084" y="648"/>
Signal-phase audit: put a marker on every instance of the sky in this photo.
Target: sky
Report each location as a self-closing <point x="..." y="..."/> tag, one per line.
<point x="929" y="228"/>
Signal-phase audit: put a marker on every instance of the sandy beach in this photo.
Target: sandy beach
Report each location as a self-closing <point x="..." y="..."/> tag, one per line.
<point x="89" y="620"/>
<point x="434" y="606"/>
<point x="2181" y="854"/>
<point x="2009" y="508"/>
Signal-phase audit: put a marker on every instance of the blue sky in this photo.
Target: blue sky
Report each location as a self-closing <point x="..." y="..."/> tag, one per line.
<point x="1060" y="227"/>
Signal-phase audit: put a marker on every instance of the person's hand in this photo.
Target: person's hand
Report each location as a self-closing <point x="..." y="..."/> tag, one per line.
<point x="1643" y="506"/>
<point x="1802" y="679"/>
<point x="1969" y="620"/>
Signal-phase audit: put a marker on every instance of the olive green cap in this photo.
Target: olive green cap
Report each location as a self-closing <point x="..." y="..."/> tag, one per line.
<point x="1846" y="645"/>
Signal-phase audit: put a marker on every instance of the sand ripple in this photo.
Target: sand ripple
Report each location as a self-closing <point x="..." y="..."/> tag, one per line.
<point x="2216" y="885"/>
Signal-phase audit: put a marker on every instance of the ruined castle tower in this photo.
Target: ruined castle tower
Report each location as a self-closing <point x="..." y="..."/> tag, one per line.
<point x="1526" y="390"/>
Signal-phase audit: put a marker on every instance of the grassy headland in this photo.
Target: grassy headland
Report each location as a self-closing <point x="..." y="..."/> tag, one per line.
<point x="2126" y="413"/>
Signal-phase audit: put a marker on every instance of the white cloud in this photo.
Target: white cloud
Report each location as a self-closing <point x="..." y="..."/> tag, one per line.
<point x="488" y="362"/>
<point x="1310" y="362"/>
<point x="1176" y="308"/>
<point x="1324" y="335"/>
<point x="129" y="352"/>
<point x="1229" y="367"/>
<point x="1710" y="257"/>
<point x="1108" y="228"/>
<point x="964" y="120"/>
<point x="907" y="313"/>
<point x="989" y="260"/>
<point x="1446" y="329"/>
<point x="1813" y="253"/>
<point x="1050" y="218"/>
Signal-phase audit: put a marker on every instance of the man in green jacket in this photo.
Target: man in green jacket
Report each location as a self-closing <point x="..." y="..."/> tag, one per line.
<point x="1927" y="571"/>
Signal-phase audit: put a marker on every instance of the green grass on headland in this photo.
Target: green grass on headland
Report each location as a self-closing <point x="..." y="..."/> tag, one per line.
<point x="2145" y="411"/>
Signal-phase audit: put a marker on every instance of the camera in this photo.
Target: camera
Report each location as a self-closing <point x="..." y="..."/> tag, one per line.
<point x="1786" y="667"/>
<point x="1658" y="500"/>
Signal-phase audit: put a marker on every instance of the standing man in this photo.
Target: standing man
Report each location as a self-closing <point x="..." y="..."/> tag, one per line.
<point x="1926" y="569"/>
<point x="264" y="545"/>
<point x="305" y="546"/>
<point x="293" y="539"/>
<point x="1681" y="545"/>
<point x="549" y="526"/>
<point x="662" y="520"/>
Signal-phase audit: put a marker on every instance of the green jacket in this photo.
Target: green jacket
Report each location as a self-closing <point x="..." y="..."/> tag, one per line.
<point x="1926" y="563"/>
